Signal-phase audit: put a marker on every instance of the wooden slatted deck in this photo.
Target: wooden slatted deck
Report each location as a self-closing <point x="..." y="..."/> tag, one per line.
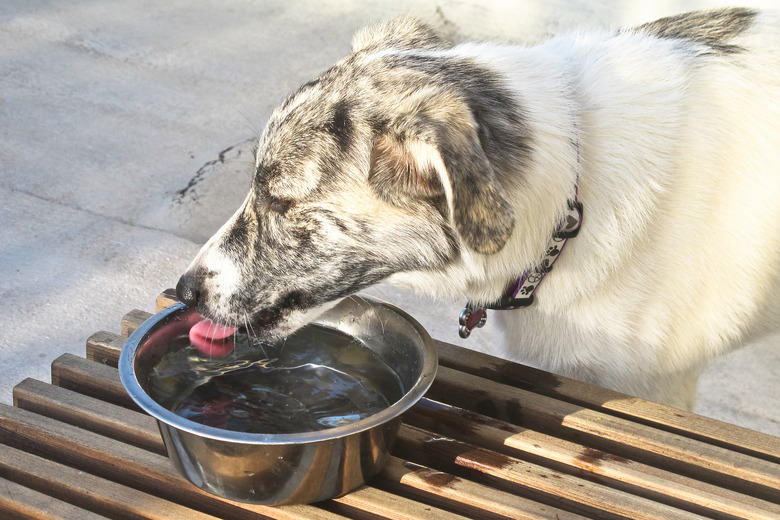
<point x="491" y="439"/>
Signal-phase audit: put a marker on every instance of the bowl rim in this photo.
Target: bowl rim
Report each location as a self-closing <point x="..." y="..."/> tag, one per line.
<point x="142" y="399"/>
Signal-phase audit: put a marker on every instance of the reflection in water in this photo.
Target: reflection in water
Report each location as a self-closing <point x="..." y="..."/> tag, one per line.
<point x="315" y="379"/>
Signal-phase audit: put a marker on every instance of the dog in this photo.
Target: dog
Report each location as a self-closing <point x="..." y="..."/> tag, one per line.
<point x="448" y="168"/>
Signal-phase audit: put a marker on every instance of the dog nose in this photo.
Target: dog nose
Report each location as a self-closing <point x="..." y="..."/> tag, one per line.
<point x="186" y="292"/>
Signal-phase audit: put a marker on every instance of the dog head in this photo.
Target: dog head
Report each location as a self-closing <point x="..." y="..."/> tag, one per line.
<point x="389" y="162"/>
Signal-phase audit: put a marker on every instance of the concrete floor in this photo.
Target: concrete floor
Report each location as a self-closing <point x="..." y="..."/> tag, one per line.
<point x="125" y="141"/>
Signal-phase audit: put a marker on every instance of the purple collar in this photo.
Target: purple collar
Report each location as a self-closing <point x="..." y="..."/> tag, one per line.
<point x="521" y="292"/>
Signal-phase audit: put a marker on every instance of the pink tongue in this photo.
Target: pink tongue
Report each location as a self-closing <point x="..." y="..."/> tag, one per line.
<point x="212" y="338"/>
<point x="207" y="329"/>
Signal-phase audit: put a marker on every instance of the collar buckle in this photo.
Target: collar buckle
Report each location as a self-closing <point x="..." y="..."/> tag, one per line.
<point x="471" y="317"/>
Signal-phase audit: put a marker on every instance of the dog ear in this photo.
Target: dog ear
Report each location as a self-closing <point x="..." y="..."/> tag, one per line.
<point x="403" y="169"/>
<point x="421" y="152"/>
<point x="402" y="33"/>
<point x="480" y="209"/>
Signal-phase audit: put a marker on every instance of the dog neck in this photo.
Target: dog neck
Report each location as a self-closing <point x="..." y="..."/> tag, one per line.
<point x="521" y="292"/>
<point x="539" y="189"/>
<point x="563" y="141"/>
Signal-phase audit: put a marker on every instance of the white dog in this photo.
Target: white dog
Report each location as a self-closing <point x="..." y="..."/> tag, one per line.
<point x="451" y="169"/>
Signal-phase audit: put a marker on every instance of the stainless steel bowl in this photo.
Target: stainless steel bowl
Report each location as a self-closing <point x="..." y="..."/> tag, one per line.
<point x="298" y="468"/>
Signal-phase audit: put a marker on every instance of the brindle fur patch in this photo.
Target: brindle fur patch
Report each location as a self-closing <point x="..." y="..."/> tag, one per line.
<point x="716" y="29"/>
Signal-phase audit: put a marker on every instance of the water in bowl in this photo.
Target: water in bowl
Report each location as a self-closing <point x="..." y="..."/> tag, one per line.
<point x="315" y="379"/>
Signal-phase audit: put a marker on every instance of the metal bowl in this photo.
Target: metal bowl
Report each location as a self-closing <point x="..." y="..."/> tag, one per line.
<point x="306" y="467"/>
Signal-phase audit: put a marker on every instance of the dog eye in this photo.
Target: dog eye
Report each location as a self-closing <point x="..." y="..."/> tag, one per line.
<point x="279" y="205"/>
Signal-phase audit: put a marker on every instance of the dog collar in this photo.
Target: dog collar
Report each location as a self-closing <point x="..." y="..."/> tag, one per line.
<point x="521" y="292"/>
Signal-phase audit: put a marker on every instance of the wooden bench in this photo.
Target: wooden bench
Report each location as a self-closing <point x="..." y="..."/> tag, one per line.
<point x="492" y="439"/>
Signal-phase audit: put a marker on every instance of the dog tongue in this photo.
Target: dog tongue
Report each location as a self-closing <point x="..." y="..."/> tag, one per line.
<point x="211" y="338"/>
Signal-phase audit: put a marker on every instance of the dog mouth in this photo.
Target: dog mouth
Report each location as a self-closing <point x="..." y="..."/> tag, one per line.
<point x="265" y="319"/>
<point x="264" y="324"/>
<point x="216" y="340"/>
<point x="285" y="317"/>
<point x="258" y="316"/>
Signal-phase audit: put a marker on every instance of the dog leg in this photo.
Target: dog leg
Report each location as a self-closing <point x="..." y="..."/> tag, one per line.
<point x="678" y="390"/>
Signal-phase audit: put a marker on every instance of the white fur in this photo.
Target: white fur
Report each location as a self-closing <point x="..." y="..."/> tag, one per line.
<point x="678" y="259"/>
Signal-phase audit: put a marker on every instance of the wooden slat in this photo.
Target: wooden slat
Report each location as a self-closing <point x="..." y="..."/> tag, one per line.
<point x="531" y="480"/>
<point x="613" y="434"/>
<point x="90" y="378"/>
<point x="599" y="466"/>
<point x="104" y="347"/>
<point x="135" y="428"/>
<point x="370" y="502"/>
<point x="165" y="299"/>
<point x="87" y="491"/>
<point x="132" y="320"/>
<point x="476" y="500"/>
<point x="19" y="502"/>
<point x="128" y="465"/>
<point x="670" y="419"/>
